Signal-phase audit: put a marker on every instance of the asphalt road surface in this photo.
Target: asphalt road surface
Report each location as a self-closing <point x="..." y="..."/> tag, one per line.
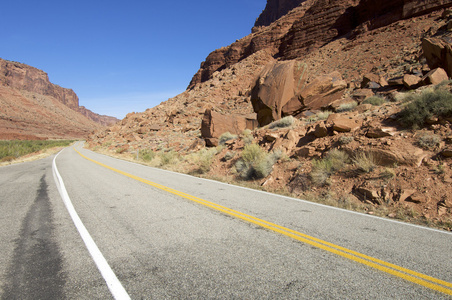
<point x="86" y="226"/>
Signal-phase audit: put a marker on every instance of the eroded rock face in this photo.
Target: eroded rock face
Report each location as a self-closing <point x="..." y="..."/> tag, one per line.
<point x="310" y="25"/>
<point x="281" y="90"/>
<point x="23" y="77"/>
<point x="278" y="84"/>
<point x="275" y="9"/>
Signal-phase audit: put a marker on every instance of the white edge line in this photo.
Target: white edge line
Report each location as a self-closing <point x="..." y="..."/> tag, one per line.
<point x="283" y="197"/>
<point x="115" y="287"/>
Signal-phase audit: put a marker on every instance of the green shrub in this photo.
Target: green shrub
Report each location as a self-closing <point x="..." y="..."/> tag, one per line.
<point x="227" y="136"/>
<point x="365" y="162"/>
<point x="324" y="168"/>
<point x="347" y="107"/>
<point x="282" y="123"/>
<point x="147" y="154"/>
<point x="374" y="100"/>
<point x="10" y="150"/>
<point x="426" y="105"/>
<point x="255" y="162"/>
<point x="428" y="141"/>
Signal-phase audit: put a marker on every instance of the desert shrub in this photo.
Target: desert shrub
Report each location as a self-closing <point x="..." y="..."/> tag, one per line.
<point x="282" y="123"/>
<point x="147" y="154"/>
<point x="255" y="162"/>
<point x="227" y="136"/>
<point x="347" y="107"/>
<point x="345" y="139"/>
<point x="203" y="159"/>
<point x="247" y="136"/>
<point x="322" y="169"/>
<point x="169" y="157"/>
<point x="428" y="141"/>
<point x="323" y="115"/>
<point x="229" y="155"/>
<point x="387" y="174"/>
<point x="374" y="100"/>
<point x="365" y="162"/>
<point x="426" y="105"/>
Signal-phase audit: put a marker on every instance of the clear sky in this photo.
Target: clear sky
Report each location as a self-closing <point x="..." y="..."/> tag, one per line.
<point x="121" y="56"/>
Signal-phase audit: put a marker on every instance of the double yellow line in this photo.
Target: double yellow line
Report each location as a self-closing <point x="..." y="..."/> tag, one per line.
<point x="407" y="274"/>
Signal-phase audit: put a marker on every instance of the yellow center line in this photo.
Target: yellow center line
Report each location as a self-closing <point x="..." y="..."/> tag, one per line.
<point x="407" y="274"/>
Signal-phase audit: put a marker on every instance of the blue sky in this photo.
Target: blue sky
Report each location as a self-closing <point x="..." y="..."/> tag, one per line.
<point x="121" y="56"/>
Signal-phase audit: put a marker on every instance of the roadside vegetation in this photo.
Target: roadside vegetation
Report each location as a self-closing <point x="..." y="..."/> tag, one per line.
<point x="11" y="150"/>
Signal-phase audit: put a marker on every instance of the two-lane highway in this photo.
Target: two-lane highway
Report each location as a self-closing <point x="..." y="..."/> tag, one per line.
<point x="169" y="235"/>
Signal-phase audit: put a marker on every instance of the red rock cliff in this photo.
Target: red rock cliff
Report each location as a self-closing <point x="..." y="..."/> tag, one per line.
<point x="24" y="77"/>
<point x="310" y="25"/>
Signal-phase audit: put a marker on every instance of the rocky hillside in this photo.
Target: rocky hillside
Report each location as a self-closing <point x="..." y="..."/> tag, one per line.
<point x="33" y="107"/>
<point x="341" y="70"/>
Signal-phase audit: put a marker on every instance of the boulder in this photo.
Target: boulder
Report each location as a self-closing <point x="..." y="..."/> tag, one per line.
<point x="321" y="130"/>
<point x="399" y="153"/>
<point x="438" y="53"/>
<point x="361" y="94"/>
<point x="411" y="81"/>
<point x="346" y="125"/>
<point x="215" y="124"/>
<point x="370" y="79"/>
<point x="376" y="133"/>
<point x="278" y="84"/>
<point x="281" y="90"/>
<point x="435" y="76"/>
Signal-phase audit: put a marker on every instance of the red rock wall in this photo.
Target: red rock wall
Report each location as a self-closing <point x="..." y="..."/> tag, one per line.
<point x="275" y="9"/>
<point x="23" y="77"/>
<point x="312" y="24"/>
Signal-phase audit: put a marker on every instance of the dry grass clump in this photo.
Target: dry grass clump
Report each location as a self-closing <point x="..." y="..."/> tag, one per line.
<point x="282" y="123"/>
<point x="374" y="100"/>
<point x="428" y="141"/>
<point x="227" y="136"/>
<point x="347" y="107"/>
<point x="322" y="169"/>
<point x="255" y="162"/>
<point x="365" y="162"/>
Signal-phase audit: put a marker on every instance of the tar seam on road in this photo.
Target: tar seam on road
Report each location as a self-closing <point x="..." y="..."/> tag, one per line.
<point x="114" y="285"/>
<point x="407" y="274"/>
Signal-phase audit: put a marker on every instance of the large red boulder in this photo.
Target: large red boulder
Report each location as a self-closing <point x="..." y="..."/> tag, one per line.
<point x="215" y="124"/>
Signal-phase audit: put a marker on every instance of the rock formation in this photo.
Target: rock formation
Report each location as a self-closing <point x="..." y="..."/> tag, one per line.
<point x="33" y="107"/>
<point x="23" y="77"/>
<point x="310" y="25"/>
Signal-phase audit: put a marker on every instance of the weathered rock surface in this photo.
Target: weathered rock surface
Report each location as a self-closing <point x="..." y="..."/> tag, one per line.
<point x="310" y="25"/>
<point x="277" y="89"/>
<point x="214" y="125"/>
<point x="281" y="90"/>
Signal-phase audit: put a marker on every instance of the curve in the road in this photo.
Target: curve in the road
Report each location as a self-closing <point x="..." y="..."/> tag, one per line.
<point x="114" y="285"/>
<point x="407" y="274"/>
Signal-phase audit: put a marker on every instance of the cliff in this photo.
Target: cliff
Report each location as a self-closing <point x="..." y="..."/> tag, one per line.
<point x="23" y="77"/>
<point x="309" y="26"/>
<point x="34" y="108"/>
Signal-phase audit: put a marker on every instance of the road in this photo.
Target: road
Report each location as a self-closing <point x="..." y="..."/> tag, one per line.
<point x="171" y="236"/>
